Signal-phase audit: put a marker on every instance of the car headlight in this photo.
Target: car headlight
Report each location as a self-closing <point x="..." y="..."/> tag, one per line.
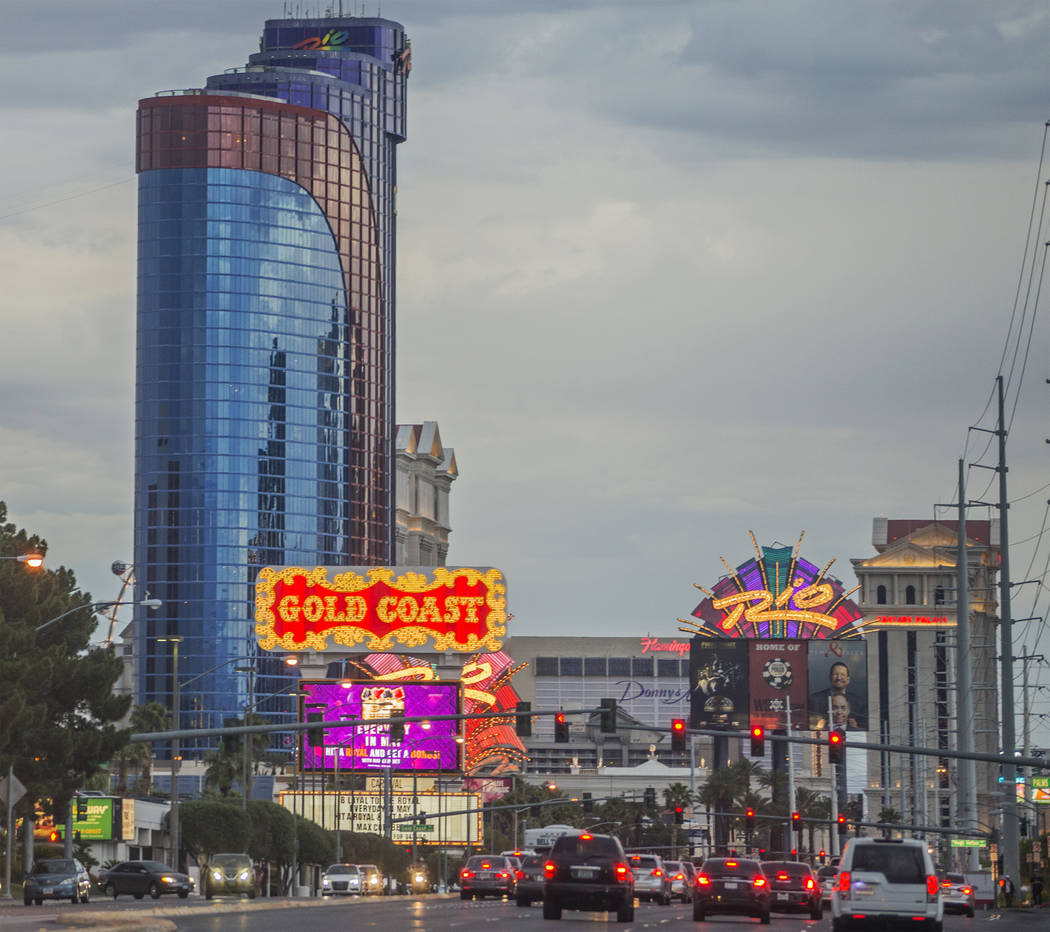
<point x="325" y="882"/>
<point x="216" y="875"/>
<point x="167" y="880"/>
<point x="245" y="875"/>
<point x="373" y="880"/>
<point x="420" y="878"/>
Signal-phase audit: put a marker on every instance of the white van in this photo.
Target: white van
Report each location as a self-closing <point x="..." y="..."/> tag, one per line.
<point x="886" y="879"/>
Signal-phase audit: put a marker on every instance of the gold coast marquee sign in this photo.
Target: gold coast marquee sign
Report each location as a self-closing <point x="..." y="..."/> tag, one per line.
<point x="380" y="608"/>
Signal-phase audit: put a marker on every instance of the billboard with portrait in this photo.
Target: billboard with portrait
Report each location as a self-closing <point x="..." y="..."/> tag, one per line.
<point x="718" y="683"/>
<point x="358" y="745"/>
<point x="778" y="682"/>
<point x="838" y="684"/>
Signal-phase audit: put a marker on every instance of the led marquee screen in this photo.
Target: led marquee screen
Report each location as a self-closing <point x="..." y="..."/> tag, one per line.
<point x="427" y="746"/>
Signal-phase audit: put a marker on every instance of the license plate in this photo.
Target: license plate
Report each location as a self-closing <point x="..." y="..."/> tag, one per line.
<point x="49" y="890"/>
<point x="584" y="873"/>
<point x="730" y="885"/>
<point x="485" y="875"/>
<point x="782" y="896"/>
<point x="863" y="891"/>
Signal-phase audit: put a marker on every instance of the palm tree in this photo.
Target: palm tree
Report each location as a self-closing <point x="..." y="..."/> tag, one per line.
<point x="812" y="806"/>
<point x="224" y="767"/>
<point x="152" y="716"/>
<point x="888" y="816"/>
<point x="675" y="795"/>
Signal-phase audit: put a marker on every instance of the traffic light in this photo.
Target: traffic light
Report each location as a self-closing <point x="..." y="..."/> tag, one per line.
<point x="535" y="811"/>
<point x="837" y="746"/>
<point x="823" y="856"/>
<point x="758" y="741"/>
<point x="749" y="819"/>
<point x="523" y="721"/>
<point x="843" y="828"/>
<point x="397" y="731"/>
<point x="82" y="808"/>
<point x="608" y="725"/>
<point x="650" y="797"/>
<point x="588" y="803"/>
<point x="315" y="735"/>
<point x="53" y="837"/>
<point x="679" y="815"/>
<point x="678" y="735"/>
<point x="796" y="821"/>
<point x="561" y="729"/>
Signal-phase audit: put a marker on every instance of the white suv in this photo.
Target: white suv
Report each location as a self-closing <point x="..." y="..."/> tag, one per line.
<point x="886" y="879"/>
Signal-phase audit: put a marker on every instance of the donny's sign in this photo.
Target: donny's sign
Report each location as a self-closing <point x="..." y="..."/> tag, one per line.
<point x="455" y="608"/>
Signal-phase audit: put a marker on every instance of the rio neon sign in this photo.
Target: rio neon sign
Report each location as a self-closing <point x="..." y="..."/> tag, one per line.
<point x="777" y="594"/>
<point x="333" y="39"/>
<point x="458" y="608"/>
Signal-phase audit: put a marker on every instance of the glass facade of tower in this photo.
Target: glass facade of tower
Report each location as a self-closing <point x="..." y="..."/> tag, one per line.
<point x="265" y="358"/>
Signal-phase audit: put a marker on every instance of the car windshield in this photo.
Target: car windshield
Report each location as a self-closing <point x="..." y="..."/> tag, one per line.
<point x="482" y="863"/>
<point x="55" y="867"/>
<point x="584" y="846"/>
<point x="792" y="868"/>
<point x="955" y="878"/>
<point x="731" y="868"/>
<point x="157" y="866"/>
<point x="827" y="872"/>
<point x="673" y="867"/>
<point x="638" y="860"/>
<point x="897" y="863"/>
<point x="231" y="860"/>
<point x="533" y="860"/>
<point x="342" y="869"/>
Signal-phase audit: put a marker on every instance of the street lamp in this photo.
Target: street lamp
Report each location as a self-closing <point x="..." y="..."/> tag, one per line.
<point x="152" y="604"/>
<point x="247" y="738"/>
<point x="32" y="560"/>
<point x="175" y="641"/>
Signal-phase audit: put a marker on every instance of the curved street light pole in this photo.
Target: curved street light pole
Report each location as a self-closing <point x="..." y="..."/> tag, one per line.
<point x="100" y="606"/>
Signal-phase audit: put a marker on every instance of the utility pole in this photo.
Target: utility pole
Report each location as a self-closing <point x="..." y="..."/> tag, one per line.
<point x="966" y="769"/>
<point x="1010" y="833"/>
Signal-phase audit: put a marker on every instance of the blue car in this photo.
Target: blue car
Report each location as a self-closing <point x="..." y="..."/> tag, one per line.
<point x="57" y="879"/>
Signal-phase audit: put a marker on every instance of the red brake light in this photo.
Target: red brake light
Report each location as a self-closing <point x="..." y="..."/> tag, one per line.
<point x="844" y="882"/>
<point x="967" y="891"/>
<point x="782" y="876"/>
<point x="503" y="875"/>
<point x="731" y="863"/>
<point x="679" y="876"/>
<point x="623" y="872"/>
<point x="809" y="883"/>
<point x="759" y="881"/>
<point x="465" y="874"/>
<point x="550" y="869"/>
<point x="657" y="872"/>
<point x="702" y="880"/>
<point x="486" y="866"/>
<point x="932" y="885"/>
<point x="586" y="838"/>
<point x="519" y="874"/>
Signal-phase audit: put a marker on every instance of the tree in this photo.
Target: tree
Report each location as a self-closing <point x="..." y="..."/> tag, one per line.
<point x="677" y="794"/>
<point x="211" y="825"/>
<point x="146" y="718"/>
<point x="224" y="769"/>
<point x="814" y="806"/>
<point x="58" y="712"/>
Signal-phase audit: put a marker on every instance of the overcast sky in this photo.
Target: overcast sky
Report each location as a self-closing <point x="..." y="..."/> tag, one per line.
<point x="668" y="272"/>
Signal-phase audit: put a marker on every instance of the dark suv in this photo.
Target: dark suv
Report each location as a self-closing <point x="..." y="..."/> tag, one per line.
<point x="793" y="888"/>
<point x="488" y="875"/>
<point x="588" y="872"/>
<point x="731" y="885"/>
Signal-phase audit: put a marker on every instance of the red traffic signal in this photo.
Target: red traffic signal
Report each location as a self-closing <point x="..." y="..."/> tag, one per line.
<point x="678" y="735"/>
<point x="561" y="729"/>
<point x="796" y="817"/>
<point x="837" y="746"/>
<point x="758" y="741"/>
<point x="679" y="815"/>
<point x="842" y="819"/>
<point x="749" y="819"/>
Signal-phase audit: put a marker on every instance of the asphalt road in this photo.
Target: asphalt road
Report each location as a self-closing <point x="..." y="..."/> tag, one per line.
<point x="435" y="913"/>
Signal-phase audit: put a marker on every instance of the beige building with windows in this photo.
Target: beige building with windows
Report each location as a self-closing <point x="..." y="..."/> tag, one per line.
<point x="426" y="470"/>
<point x="908" y="596"/>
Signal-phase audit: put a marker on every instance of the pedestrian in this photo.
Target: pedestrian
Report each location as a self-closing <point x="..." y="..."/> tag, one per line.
<point x="1037" y="891"/>
<point x="1008" y="891"/>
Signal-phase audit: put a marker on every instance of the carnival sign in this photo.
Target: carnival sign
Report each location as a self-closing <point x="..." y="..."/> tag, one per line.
<point x="380" y="608"/>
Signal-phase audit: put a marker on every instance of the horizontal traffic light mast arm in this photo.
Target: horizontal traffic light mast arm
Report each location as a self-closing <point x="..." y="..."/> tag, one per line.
<point x="557" y="801"/>
<point x="1037" y="763"/>
<point x="508" y="716"/>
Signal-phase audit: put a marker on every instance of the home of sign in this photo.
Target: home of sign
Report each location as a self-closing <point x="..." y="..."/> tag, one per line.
<point x="380" y="608"/>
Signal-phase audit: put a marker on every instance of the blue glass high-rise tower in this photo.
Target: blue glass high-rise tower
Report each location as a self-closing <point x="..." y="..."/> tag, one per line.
<point x="264" y="410"/>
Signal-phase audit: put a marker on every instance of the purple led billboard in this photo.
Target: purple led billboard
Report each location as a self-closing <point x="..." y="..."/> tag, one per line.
<point x="427" y="746"/>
